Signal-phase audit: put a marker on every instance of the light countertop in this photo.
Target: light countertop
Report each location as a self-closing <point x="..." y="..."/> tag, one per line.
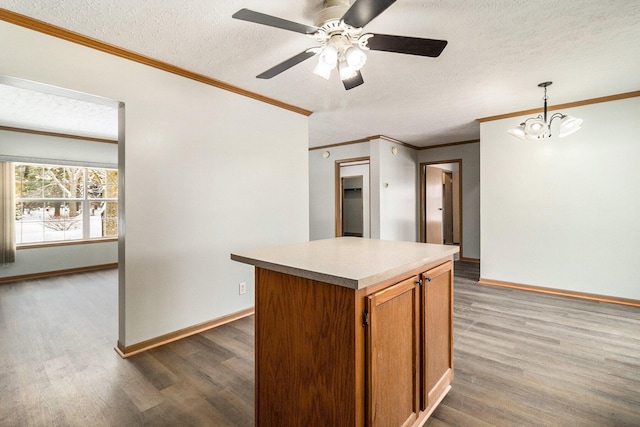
<point x="346" y="261"/>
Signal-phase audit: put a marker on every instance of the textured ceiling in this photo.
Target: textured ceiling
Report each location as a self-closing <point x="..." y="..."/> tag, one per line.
<point x="36" y="110"/>
<point x="498" y="51"/>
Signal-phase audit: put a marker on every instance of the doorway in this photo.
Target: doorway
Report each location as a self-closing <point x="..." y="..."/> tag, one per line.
<point x="80" y="131"/>
<point x="352" y="207"/>
<point x="441" y="202"/>
<point x="352" y="198"/>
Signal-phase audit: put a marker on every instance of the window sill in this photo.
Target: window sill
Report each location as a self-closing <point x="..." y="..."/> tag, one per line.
<point x="68" y="243"/>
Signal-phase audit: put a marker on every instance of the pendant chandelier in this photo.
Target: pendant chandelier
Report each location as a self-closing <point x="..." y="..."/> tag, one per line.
<point x="539" y="127"/>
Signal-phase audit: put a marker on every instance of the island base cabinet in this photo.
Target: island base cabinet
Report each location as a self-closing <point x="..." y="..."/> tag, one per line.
<point x="392" y="355"/>
<point x="307" y="342"/>
<point x="410" y="348"/>
<point x="437" y="335"/>
<point x="329" y="355"/>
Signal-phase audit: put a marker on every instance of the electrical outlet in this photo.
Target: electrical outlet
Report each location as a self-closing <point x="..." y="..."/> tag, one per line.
<point x="242" y="288"/>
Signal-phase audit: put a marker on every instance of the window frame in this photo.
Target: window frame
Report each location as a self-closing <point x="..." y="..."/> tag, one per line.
<point x="86" y="200"/>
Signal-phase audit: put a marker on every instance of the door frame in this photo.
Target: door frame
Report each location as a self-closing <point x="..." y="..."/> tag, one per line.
<point x="338" y="189"/>
<point x="423" y="198"/>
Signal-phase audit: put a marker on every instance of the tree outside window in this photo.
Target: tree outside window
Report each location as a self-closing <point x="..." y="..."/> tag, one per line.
<point x="61" y="203"/>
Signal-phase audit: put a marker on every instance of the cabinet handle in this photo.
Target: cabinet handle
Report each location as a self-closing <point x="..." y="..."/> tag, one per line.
<point x="419" y="283"/>
<point x="428" y="279"/>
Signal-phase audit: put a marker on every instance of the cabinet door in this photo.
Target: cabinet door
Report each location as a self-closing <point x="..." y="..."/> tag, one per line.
<point x="437" y="327"/>
<point x="392" y="355"/>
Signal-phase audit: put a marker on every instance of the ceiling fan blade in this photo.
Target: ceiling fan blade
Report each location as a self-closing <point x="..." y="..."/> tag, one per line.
<point x="408" y="45"/>
<point x="364" y="11"/>
<point x="272" y="21"/>
<point x="353" y="81"/>
<point x="285" y="65"/>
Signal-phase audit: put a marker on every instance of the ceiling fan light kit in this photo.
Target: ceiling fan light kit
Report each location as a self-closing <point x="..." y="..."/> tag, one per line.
<point x="327" y="60"/>
<point x="539" y="127"/>
<point x="342" y="45"/>
<point x="339" y="52"/>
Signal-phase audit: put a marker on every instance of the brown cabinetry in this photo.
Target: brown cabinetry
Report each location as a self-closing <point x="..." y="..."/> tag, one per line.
<point x="409" y="348"/>
<point x="328" y="355"/>
<point x="437" y="330"/>
<point x="393" y="336"/>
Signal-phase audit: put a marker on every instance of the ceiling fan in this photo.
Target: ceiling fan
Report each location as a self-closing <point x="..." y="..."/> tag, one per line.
<point x="338" y="30"/>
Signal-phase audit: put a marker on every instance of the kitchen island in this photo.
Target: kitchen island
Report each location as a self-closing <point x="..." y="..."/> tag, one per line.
<point x="352" y="332"/>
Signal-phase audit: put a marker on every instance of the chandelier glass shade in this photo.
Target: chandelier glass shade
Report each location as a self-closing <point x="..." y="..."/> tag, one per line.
<point x="540" y="127"/>
<point x="569" y="125"/>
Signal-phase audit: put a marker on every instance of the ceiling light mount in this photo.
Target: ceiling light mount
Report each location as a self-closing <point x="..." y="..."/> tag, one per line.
<point x="540" y="127"/>
<point x="332" y="10"/>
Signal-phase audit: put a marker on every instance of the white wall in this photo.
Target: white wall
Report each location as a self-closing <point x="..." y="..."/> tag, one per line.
<point x="26" y="147"/>
<point x="40" y="260"/>
<point x="470" y="155"/>
<point x="563" y="213"/>
<point x="206" y="172"/>
<point x="16" y="146"/>
<point x="398" y="188"/>
<point x="393" y="209"/>
<point x="322" y="176"/>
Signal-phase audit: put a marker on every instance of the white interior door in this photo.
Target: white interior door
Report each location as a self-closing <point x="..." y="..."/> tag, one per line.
<point x="434" y="206"/>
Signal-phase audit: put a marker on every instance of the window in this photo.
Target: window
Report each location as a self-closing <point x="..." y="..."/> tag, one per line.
<point x="62" y="203"/>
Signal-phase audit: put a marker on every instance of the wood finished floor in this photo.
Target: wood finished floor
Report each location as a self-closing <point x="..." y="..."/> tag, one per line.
<point x="521" y="359"/>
